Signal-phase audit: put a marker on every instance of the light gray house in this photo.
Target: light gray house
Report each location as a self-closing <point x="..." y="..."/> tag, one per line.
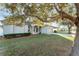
<point x="47" y="28"/>
<point x="13" y="29"/>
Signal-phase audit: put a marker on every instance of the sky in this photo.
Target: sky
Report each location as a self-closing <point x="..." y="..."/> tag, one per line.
<point x="3" y="13"/>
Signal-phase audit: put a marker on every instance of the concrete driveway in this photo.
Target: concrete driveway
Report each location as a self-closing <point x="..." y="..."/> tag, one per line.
<point x="67" y="36"/>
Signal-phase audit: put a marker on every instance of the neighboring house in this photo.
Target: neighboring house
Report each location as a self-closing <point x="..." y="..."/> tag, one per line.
<point x="64" y="29"/>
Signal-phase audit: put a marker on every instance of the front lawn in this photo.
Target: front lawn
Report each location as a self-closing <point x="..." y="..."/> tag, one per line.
<point x="37" y="45"/>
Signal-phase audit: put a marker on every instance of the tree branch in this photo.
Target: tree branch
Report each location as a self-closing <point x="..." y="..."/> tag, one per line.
<point x="64" y="14"/>
<point x="37" y="17"/>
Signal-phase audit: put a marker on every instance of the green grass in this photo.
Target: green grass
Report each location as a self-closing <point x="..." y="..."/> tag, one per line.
<point x="37" y="45"/>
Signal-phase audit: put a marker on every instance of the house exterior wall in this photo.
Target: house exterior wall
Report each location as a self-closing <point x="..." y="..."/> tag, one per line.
<point x="13" y="29"/>
<point x="47" y="30"/>
<point x="21" y="29"/>
<point x="44" y="30"/>
<point x="7" y="29"/>
<point x="26" y="28"/>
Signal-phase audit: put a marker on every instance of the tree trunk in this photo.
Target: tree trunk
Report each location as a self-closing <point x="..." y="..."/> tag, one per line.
<point x="75" y="49"/>
<point x="69" y="30"/>
<point x="39" y="29"/>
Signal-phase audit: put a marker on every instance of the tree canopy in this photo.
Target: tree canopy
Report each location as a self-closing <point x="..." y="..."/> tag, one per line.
<point x="44" y="11"/>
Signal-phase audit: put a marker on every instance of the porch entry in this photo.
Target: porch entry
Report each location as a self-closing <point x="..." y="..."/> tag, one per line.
<point x="35" y="29"/>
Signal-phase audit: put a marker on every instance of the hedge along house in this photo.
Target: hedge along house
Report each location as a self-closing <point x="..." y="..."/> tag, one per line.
<point x="12" y="25"/>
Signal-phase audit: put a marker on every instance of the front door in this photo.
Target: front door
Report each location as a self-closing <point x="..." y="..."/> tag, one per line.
<point x="36" y="29"/>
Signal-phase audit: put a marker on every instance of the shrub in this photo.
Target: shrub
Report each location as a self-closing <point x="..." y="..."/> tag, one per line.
<point x="16" y="35"/>
<point x="55" y="31"/>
